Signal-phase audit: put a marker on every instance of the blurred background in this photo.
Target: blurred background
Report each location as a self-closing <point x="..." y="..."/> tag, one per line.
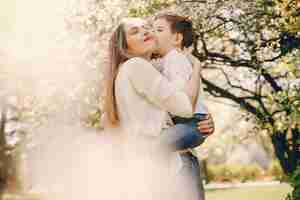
<point x="52" y="57"/>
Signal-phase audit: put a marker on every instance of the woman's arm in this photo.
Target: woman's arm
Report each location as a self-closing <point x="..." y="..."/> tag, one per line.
<point x="148" y="82"/>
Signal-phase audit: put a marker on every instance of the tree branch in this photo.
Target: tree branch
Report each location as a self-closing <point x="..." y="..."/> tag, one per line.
<point x="214" y="56"/>
<point x="271" y="80"/>
<point x="220" y="92"/>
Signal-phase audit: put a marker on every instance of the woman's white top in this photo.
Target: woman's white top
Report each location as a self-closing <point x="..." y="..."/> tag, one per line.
<point x="145" y="97"/>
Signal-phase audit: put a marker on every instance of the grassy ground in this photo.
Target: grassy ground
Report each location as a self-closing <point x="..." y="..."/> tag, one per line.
<point x="277" y="192"/>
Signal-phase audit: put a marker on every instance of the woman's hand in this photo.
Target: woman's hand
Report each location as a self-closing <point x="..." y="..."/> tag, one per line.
<point x="206" y="126"/>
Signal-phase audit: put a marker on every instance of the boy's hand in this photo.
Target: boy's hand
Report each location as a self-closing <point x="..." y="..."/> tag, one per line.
<point x="206" y="126"/>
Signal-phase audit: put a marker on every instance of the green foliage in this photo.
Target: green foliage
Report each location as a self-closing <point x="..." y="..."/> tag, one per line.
<point x="216" y="172"/>
<point x="94" y="119"/>
<point x="288" y="103"/>
<point x="148" y="8"/>
<point x="285" y="105"/>
<point x="294" y="180"/>
<point x="233" y="172"/>
<point x="10" y="155"/>
<point x="285" y="12"/>
<point x="251" y="172"/>
<point x="275" y="170"/>
<point x="290" y="17"/>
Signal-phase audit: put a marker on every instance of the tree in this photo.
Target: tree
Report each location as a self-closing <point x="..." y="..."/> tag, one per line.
<point x="3" y="155"/>
<point x="252" y="45"/>
<point x="255" y="47"/>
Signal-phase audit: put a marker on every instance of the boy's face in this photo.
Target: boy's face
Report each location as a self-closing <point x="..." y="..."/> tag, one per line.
<point x="165" y="38"/>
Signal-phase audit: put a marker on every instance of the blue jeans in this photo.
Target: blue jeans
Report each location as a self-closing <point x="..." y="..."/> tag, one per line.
<point x="184" y="134"/>
<point x="191" y="170"/>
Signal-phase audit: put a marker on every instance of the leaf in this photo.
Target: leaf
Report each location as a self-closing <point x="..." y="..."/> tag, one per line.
<point x="297" y="73"/>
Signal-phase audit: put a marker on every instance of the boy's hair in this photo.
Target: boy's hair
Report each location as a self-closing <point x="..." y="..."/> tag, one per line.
<point x="179" y="24"/>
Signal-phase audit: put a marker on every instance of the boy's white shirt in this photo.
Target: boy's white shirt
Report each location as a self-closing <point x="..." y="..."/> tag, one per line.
<point x="176" y="67"/>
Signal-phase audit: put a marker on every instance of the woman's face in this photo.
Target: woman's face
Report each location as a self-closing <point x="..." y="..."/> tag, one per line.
<point x="140" y="39"/>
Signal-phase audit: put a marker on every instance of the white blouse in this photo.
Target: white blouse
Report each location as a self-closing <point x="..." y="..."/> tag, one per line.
<point x="144" y="97"/>
<point x="178" y="70"/>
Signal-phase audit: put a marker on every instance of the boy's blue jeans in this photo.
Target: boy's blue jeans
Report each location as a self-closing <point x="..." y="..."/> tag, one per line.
<point x="184" y="134"/>
<point x="192" y="171"/>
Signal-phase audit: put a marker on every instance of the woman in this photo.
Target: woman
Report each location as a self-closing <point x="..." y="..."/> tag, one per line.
<point x="138" y="97"/>
<point x="135" y="87"/>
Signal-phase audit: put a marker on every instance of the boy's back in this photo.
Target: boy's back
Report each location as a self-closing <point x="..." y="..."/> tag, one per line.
<point x="178" y="70"/>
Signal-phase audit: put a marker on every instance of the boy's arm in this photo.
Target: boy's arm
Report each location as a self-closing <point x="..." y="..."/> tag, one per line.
<point x="179" y="71"/>
<point x="192" y="87"/>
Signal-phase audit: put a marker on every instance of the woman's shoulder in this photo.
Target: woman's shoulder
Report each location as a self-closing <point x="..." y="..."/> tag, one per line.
<point x="137" y="64"/>
<point x="136" y="60"/>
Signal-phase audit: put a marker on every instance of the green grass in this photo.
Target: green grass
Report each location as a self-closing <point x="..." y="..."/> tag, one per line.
<point x="277" y="192"/>
<point x="252" y="193"/>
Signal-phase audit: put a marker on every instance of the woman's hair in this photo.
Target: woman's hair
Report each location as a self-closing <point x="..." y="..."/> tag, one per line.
<point x="117" y="55"/>
<point x="179" y="24"/>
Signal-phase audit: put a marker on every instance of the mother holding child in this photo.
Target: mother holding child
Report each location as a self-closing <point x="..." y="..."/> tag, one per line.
<point x="158" y="111"/>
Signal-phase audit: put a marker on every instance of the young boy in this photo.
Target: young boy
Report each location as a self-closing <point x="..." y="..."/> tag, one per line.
<point x="174" y="33"/>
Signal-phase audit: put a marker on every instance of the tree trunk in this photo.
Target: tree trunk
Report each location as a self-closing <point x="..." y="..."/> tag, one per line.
<point x="287" y="150"/>
<point x="3" y="154"/>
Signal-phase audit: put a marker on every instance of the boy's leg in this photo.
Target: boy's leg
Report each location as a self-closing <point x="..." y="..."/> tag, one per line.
<point x="191" y="172"/>
<point x="182" y="137"/>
